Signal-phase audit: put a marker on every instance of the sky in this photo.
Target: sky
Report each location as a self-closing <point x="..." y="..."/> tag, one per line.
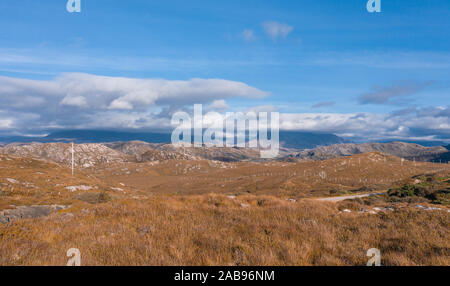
<point x="328" y="65"/>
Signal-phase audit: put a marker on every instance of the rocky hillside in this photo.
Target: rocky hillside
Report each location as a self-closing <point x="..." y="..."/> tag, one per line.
<point x="223" y="154"/>
<point x="86" y="155"/>
<point x="93" y="154"/>
<point x="133" y="148"/>
<point x="408" y="151"/>
<point x="144" y="151"/>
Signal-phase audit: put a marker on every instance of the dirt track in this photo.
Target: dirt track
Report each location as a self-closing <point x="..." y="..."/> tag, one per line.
<point x="341" y="198"/>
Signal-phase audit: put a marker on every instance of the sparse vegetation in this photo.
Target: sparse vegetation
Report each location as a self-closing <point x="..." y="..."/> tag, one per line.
<point x="433" y="189"/>
<point x="94" y="198"/>
<point x="216" y="230"/>
<point x="201" y="212"/>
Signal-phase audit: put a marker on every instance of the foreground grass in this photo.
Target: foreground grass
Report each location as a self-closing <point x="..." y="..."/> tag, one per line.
<point x="217" y="230"/>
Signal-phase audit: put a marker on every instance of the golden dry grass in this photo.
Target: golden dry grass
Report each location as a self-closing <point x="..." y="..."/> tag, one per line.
<point x="216" y="230"/>
<point x="372" y="171"/>
<point x="141" y="226"/>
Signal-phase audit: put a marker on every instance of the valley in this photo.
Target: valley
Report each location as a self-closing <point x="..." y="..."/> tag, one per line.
<point x="137" y="203"/>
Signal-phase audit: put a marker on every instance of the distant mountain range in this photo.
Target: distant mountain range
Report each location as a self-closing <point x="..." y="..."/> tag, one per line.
<point x="90" y="136"/>
<point x="93" y="154"/>
<point x="288" y="139"/>
<point x="409" y="151"/>
<point x="148" y="146"/>
<point x="419" y="142"/>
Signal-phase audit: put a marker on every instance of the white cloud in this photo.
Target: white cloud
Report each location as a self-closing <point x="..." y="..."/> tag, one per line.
<point x="89" y="101"/>
<point x="219" y="105"/>
<point x="369" y="126"/>
<point x="6" y="123"/>
<point x="276" y="30"/>
<point x="248" y="35"/>
<point x="120" y="104"/>
<point x="77" y="100"/>
<point x="102" y="93"/>
<point x="93" y="97"/>
<point x="386" y="94"/>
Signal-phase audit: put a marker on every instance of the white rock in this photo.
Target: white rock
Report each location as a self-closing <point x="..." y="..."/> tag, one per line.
<point x="12" y="181"/>
<point x="78" y="188"/>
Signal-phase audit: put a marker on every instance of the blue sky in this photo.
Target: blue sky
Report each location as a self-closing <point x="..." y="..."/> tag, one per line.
<point x="307" y="57"/>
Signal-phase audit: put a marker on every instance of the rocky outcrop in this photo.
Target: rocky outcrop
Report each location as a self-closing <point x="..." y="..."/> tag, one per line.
<point x="400" y="149"/>
<point x="144" y="152"/>
<point x="133" y="148"/>
<point x="86" y="155"/>
<point x="22" y="212"/>
<point x="149" y="152"/>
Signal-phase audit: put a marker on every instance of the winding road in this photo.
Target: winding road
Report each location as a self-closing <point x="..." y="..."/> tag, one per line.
<point x="341" y="198"/>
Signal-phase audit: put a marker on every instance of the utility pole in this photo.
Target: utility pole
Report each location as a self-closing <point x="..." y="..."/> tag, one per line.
<point x="72" y="158"/>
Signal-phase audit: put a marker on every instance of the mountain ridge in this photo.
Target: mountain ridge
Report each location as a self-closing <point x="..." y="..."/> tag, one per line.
<point x="92" y="154"/>
<point x="288" y="139"/>
<point x="409" y="151"/>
